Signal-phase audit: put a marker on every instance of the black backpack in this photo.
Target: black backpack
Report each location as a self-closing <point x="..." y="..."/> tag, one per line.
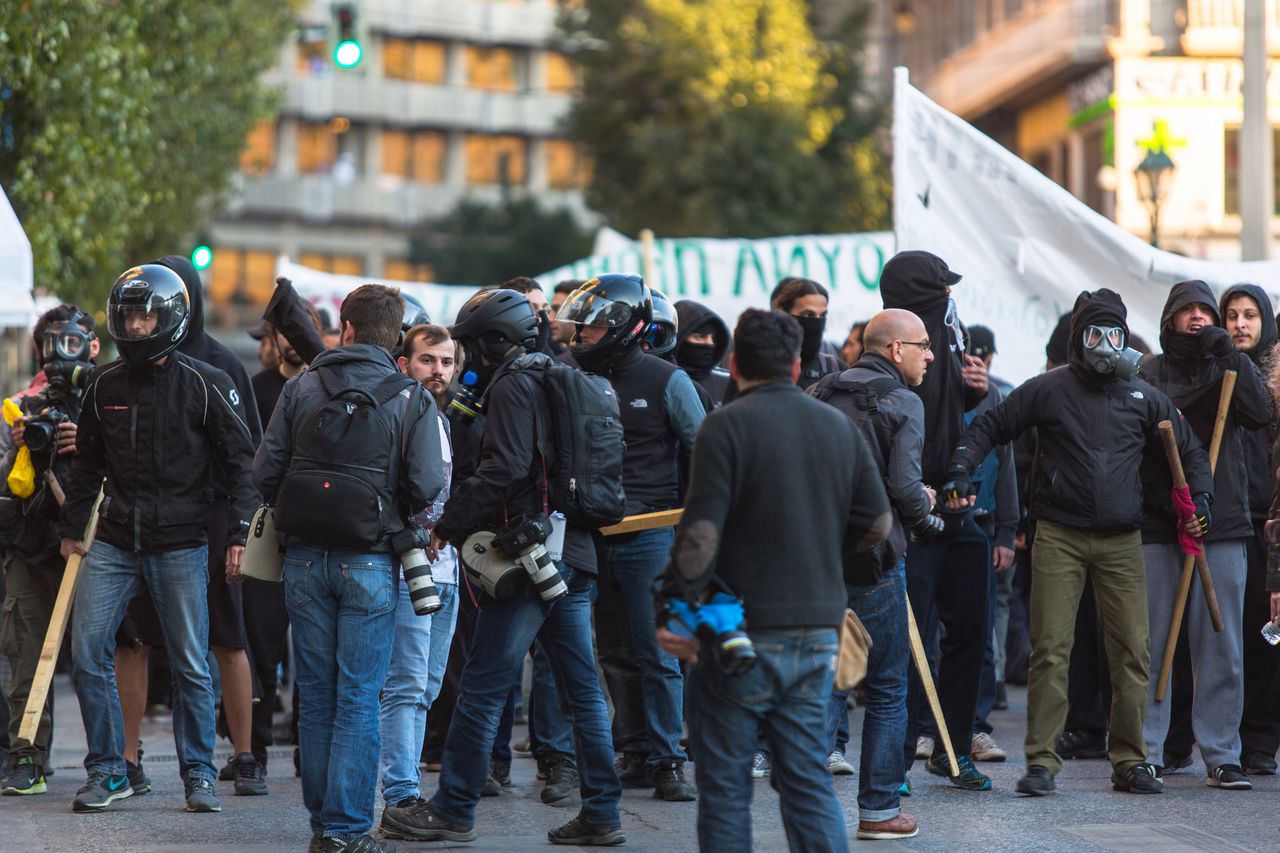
<point x="341" y="488"/>
<point x="859" y="402"/>
<point x="580" y="443"/>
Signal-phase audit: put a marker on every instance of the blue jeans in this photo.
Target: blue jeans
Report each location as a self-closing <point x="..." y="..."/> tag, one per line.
<point x="177" y="580"/>
<point x="418" y="656"/>
<point x="550" y="733"/>
<point x="342" y="606"/>
<point x="882" y="608"/>
<point x="504" y="632"/>
<point x="632" y="566"/>
<point x="784" y="696"/>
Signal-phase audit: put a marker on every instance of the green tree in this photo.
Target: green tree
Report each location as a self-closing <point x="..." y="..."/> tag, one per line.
<point x="121" y="124"/>
<point x="741" y="118"/>
<point x="479" y="244"/>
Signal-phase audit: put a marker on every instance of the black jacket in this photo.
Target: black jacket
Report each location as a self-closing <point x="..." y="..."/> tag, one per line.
<point x="155" y="433"/>
<point x="1258" y="442"/>
<point x="769" y="513"/>
<point x="1192" y="379"/>
<point x="714" y="380"/>
<point x="507" y="481"/>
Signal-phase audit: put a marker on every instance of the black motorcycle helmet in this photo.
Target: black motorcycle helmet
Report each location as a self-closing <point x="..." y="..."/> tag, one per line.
<point x="414" y="314"/>
<point x="148" y="313"/>
<point x="620" y="305"/>
<point x="492" y="326"/>
<point x="664" y="331"/>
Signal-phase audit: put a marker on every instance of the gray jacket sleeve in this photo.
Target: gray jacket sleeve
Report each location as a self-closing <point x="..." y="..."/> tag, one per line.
<point x="276" y="450"/>
<point x="1006" y="514"/>
<point x="684" y="408"/>
<point x="904" y="482"/>
<point x="423" y="474"/>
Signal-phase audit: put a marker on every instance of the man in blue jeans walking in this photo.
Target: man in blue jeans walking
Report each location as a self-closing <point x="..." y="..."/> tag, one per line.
<point x="781" y="485"/>
<point x="341" y="571"/>
<point x="153" y="424"/>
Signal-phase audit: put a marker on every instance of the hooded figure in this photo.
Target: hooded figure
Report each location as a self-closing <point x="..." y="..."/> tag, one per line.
<point x="920" y="282"/>
<point x="702" y="361"/>
<point x="1258" y="442"/>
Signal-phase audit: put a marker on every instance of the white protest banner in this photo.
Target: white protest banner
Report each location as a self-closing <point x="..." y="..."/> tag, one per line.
<point x="731" y="275"/>
<point x="1025" y="246"/>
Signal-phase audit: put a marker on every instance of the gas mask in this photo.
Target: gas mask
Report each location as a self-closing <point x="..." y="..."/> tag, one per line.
<point x="1105" y="352"/>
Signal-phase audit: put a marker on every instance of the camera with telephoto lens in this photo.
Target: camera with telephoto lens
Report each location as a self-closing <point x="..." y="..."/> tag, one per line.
<point x="411" y="543"/>
<point x="720" y="622"/>
<point x="40" y="433"/>
<point x="524" y="543"/>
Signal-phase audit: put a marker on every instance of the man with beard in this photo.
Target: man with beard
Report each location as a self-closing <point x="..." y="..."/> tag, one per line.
<point x="1197" y="351"/>
<point x="1246" y="311"/>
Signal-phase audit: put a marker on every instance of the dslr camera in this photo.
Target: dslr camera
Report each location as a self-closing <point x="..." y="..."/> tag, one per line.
<point x="411" y="544"/>
<point x="504" y="563"/>
<point x="41" y="434"/>
<point x="720" y="622"/>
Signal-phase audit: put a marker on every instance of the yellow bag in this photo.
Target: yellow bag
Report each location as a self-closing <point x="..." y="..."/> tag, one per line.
<point x="855" y="648"/>
<point x="22" y="477"/>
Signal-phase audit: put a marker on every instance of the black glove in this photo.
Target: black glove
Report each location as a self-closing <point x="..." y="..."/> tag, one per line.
<point x="1216" y="341"/>
<point x="957" y="488"/>
<point x="927" y="527"/>
<point x="1203" y="502"/>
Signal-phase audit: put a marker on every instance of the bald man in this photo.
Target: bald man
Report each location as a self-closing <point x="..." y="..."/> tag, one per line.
<point x="875" y="394"/>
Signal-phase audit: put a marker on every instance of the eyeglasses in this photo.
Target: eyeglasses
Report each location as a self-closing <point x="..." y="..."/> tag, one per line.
<point x="925" y="344"/>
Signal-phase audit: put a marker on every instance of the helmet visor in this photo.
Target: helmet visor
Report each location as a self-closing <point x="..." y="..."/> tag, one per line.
<point x="1095" y="335"/>
<point x="584" y="308"/>
<point x="147" y="316"/>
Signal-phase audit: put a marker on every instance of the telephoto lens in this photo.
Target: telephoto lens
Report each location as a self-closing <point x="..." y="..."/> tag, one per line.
<point x="543" y="575"/>
<point x="422" y="589"/>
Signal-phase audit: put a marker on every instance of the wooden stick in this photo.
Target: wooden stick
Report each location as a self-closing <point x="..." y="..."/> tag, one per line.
<point x="53" y="636"/>
<point x="646" y="521"/>
<point x="55" y="487"/>
<point x="1191" y="562"/>
<point x="926" y="678"/>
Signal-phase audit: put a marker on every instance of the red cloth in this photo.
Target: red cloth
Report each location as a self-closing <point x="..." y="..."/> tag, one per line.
<point x="1186" y="509"/>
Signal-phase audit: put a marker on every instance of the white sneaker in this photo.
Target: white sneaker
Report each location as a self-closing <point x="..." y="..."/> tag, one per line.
<point x="838" y="765"/>
<point x="984" y="748"/>
<point x="759" y="766"/>
<point x="924" y="747"/>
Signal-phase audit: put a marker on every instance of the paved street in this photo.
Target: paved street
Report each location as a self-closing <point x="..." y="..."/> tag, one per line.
<point x="1084" y="816"/>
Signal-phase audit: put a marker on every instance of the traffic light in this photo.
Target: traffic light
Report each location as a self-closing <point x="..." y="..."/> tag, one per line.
<point x="347" y="52"/>
<point x="201" y="256"/>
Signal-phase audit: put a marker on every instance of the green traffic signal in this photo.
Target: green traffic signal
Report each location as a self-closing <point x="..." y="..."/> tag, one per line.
<point x="201" y="257"/>
<point x="348" y="53"/>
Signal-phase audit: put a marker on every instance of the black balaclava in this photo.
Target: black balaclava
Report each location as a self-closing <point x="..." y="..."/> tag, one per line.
<point x="1056" y="350"/>
<point x="813" y="327"/>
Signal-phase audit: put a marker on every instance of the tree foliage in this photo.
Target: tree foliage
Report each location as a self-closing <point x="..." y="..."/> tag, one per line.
<point x="741" y="118"/>
<point x="121" y="124"/>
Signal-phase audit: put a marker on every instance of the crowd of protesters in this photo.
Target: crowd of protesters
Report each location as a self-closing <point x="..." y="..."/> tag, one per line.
<point x="440" y="528"/>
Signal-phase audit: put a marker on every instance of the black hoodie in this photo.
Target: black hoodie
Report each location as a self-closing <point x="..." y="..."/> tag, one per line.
<point x="714" y="380"/>
<point x="1258" y="442"/>
<point x="1192" y="377"/>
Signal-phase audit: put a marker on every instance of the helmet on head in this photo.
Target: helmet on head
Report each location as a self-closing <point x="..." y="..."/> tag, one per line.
<point x="617" y="308"/>
<point x="414" y="314"/>
<point x="664" y="331"/>
<point x="492" y="326"/>
<point x="148" y="313"/>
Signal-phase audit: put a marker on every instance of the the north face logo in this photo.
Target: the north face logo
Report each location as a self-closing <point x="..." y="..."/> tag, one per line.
<point x="640" y="404"/>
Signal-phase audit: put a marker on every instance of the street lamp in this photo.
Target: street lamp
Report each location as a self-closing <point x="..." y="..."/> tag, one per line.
<point x="1153" y="175"/>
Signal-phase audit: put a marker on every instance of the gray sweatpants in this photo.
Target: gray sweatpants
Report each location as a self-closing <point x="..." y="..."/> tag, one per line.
<point x="1216" y="658"/>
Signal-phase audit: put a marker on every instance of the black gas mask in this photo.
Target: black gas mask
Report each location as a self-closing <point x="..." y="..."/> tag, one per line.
<point x="64" y="357"/>
<point x="1105" y="351"/>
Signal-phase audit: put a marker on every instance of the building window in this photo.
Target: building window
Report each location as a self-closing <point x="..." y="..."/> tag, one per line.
<point x="416" y="155"/>
<point x="559" y="72"/>
<point x="242" y="275"/>
<point x="314" y="57"/>
<point x="398" y="269"/>
<point x="496" y="159"/>
<point x="491" y="68"/>
<point x="419" y="60"/>
<point x="317" y="147"/>
<point x="337" y="264"/>
<point x="259" y="154"/>
<point x="1231" y="176"/>
<point x="566" y="168"/>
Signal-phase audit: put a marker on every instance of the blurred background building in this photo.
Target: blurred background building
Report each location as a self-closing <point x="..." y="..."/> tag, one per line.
<point x="1084" y="90"/>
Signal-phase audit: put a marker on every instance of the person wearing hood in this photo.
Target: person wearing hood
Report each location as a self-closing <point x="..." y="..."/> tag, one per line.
<point x="1246" y="311"/>
<point x="701" y="344"/>
<point x="807" y="301"/>
<point x="947" y="575"/>
<point x="1094" y="420"/>
<point x="1197" y="352"/>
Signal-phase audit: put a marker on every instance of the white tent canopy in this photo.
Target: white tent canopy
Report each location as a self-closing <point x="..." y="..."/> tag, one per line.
<point x="16" y="276"/>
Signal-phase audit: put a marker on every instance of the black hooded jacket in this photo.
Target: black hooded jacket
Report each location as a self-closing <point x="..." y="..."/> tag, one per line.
<point x="1092" y="429"/>
<point x="1191" y="375"/>
<point x="1258" y="442"/>
<point x="714" y="380"/>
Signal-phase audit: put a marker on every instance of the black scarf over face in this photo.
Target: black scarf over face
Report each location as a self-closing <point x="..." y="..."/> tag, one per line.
<point x="813" y="327"/>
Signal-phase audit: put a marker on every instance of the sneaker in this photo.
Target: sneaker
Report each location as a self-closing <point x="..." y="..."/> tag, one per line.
<point x="900" y="826"/>
<point x="359" y="844"/>
<point x="251" y="779"/>
<point x="100" y="791"/>
<point x="200" y="795"/>
<point x="1175" y="761"/>
<point x="492" y="787"/>
<point x="760" y="766"/>
<point x="633" y="770"/>
<point x="562" y="782"/>
<point x="969" y="779"/>
<point x="523" y="748"/>
<point x="138" y="777"/>
<point x="579" y="833"/>
<point x="421" y="823"/>
<point x="924" y="747"/>
<point x="228" y="774"/>
<point x="1080" y="744"/>
<point x="1002" y="698"/>
<point x="1038" y="781"/>
<point x="669" y="783"/>
<point x="27" y="777"/>
<point x="904" y="790"/>
<point x="838" y="765"/>
<point x="1259" y="764"/>
<point x="1139" y="779"/>
<point x="1231" y="777"/>
<point x="500" y="771"/>
<point x="984" y="748"/>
